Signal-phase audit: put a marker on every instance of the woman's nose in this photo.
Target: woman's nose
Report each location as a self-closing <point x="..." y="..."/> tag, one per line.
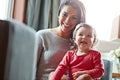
<point x="67" y="20"/>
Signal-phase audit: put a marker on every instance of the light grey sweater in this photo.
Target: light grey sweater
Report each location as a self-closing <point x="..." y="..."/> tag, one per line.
<point x="51" y="51"/>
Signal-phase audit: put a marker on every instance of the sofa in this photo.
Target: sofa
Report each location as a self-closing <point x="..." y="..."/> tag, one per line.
<point x="108" y="66"/>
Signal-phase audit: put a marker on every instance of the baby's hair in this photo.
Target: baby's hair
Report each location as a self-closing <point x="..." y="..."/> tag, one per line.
<point x="74" y="46"/>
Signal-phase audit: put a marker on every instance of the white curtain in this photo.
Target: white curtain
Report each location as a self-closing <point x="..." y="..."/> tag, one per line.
<point x="6" y="9"/>
<point x="10" y="6"/>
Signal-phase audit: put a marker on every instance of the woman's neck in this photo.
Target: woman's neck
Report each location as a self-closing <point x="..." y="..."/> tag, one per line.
<point x="60" y="33"/>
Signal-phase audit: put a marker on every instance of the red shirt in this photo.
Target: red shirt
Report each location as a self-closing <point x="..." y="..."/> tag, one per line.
<point x="90" y="62"/>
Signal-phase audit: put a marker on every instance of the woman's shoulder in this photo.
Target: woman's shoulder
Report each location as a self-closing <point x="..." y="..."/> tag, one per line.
<point x="71" y="52"/>
<point x="45" y="33"/>
<point x="42" y="31"/>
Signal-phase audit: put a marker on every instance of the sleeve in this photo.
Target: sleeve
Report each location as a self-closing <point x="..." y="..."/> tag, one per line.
<point x="62" y="67"/>
<point x="98" y="67"/>
<point x="39" y="45"/>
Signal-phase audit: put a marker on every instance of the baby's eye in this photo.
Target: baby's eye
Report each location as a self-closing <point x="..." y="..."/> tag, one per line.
<point x="80" y="34"/>
<point x="90" y="36"/>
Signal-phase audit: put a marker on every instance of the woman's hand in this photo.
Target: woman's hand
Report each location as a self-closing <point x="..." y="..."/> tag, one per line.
<point x="64" y="77"/>
<point x="50" y="76"/>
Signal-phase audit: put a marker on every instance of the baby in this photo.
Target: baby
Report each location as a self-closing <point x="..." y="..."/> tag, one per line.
<point x="82" y="62"/>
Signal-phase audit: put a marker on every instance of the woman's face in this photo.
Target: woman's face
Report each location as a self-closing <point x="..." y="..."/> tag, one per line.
<point x="68" y="18"/>
<point x="84" y="38"/>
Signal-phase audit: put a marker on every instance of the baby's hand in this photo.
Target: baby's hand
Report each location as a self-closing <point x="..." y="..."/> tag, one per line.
<point x="77" y="74"/>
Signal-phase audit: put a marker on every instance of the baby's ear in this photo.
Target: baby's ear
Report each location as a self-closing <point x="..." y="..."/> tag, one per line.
<point x="95" y="42"/>
<point x="72" y="44"/>
<point x="72" y="40"/>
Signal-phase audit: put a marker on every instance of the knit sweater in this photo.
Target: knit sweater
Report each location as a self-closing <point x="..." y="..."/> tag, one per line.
<point x="52" y="48"/>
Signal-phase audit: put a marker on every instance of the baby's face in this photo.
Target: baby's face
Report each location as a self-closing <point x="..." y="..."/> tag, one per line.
<point x="84" y="38"/>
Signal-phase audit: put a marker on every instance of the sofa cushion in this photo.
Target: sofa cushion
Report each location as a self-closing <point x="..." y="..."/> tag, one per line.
<point x="108" y="70"/>
<point x="18" y="51"/>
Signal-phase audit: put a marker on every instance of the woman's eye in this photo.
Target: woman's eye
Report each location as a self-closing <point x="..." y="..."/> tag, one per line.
<point x="74" y="17"/>
<point x="64" y="14"/>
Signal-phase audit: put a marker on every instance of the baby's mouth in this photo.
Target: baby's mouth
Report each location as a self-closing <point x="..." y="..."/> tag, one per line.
<point x="83" y="42"/>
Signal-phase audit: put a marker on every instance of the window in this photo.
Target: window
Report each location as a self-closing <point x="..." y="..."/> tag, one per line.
<point x="6" y="7"/>
<point x="100" y="14"/>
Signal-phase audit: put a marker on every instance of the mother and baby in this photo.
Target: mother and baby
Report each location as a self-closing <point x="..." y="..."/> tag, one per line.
<point x="65" y="52"/>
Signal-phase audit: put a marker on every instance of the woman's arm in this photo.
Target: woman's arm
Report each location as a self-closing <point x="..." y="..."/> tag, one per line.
<point x="61" y="69"/>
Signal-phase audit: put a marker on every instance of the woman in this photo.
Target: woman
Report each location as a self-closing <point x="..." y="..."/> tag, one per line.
<point x="54" y="43"/>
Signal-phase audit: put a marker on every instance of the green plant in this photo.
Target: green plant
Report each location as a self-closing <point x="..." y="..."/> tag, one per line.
<point x="116" y="53"/>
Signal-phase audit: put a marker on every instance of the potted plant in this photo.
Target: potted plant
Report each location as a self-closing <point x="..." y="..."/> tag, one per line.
<point x="116" y="54"/>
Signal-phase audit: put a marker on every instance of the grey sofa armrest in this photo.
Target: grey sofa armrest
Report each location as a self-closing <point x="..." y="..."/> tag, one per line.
<point x="108" y="66"/>
<point x="18" y="51"/>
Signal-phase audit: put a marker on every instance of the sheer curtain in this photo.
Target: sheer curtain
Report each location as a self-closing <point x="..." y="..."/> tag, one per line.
<point x="42" y="14"/>
<point x="100" y="14"/>
<point x="6" y="8"/>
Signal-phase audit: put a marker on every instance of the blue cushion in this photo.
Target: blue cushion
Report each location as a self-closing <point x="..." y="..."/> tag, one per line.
<point x="108" y="70"/>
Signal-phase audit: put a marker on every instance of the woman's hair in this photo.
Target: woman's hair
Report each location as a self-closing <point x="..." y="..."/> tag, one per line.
<point x="76" y="4"/>
<point x="73" y="45"/>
